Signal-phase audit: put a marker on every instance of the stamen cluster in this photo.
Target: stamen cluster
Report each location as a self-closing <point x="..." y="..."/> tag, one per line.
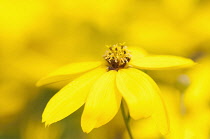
<point x="117" y="56"/>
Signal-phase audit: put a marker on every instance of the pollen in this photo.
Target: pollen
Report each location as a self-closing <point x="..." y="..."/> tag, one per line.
<point x="117" y="56"/>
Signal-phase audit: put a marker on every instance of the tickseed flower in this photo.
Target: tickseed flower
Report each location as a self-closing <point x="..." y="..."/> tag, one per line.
<point x="101" y="85"/>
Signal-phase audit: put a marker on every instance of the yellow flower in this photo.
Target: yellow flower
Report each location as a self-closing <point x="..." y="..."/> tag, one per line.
<point x="102" y="84"/>
<point x="183" y="124"/>
<point x="197" y="95"/>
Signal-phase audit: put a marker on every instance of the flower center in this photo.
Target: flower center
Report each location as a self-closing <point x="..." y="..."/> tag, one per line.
<point x="117" y="56"/>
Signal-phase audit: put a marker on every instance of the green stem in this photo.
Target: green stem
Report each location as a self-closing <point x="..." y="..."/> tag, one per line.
<point x="126" y="119"/>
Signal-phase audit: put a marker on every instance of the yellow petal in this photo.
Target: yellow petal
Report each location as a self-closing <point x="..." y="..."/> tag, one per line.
<point x="142" y="97"/>
<point x="102" y="103"/>
<point x="68" y="72"/>
<point x="157" y="62"/>
<point x="137" y="92"/>
<point x="160" y="115"/>
<point x="71" y="97"/>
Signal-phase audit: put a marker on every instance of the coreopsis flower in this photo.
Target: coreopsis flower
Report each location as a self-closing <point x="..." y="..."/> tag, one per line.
<point x="101" y="85"/>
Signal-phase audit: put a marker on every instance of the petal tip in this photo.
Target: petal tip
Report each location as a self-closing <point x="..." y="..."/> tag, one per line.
<point x="85" y="129"/>
<point x="39" y="83"/>
<point x="165" y="132"/>
<point x="194" y="63"/>
<point x="43" y="120"/>
<point x="46" y="124"/>
<point x="190" y="64"/>
<point x="87" y="124"/>
<point x="44" y="81"/>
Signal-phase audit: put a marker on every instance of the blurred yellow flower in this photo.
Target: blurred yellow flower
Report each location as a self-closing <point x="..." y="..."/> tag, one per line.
<point x="183" y="125"/>
<point x="102" y="86"/>
<point x="197" y="95"/>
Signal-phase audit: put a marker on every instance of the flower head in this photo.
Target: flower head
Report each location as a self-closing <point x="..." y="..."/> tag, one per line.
<point x="117" y="56"/>
<point x="101" y="85"/>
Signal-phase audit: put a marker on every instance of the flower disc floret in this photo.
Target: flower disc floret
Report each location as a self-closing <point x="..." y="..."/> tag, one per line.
<point x="117" y="56"/>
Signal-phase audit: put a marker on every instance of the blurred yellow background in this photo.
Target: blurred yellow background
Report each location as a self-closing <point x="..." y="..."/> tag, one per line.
<point x="38" y="36"/>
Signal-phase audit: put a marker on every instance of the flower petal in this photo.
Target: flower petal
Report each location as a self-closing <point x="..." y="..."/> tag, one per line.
<point x="160" y="115"/>
<point x="102" y="103"/>
<point x="71" y="97"/>
<point x="137" y="92"/>
<point x="68" y="72"/>
<point x="142" y="97"/>
<point x="157" y="62"/>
